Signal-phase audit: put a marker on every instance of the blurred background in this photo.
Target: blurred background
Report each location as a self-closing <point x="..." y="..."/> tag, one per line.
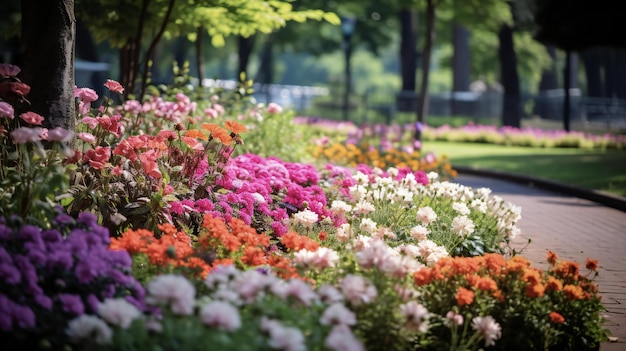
<point x="550" y="64"/>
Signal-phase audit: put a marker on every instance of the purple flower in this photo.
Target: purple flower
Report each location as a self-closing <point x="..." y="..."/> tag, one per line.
<point x="72" y="304"/>
<point x="9" y="274"/>
<point x="43" y="301"/>
<point x="60" y="259"/>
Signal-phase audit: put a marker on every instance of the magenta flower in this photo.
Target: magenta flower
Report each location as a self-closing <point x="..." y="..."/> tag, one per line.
<point x="6" y="110"/>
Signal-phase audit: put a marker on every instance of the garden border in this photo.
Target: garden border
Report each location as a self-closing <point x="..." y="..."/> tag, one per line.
<point x="601" y="197"/>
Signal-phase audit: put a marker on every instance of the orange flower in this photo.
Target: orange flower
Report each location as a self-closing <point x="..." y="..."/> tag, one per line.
<point x="464" y="296"/>
<point x="517" y="264"/>
<point x="552" y="257"/>
<point x="486" y="284"/>
<point x="556" y="318"/>
<point x="591" y="265"/>
<point x="296" y="242"/>
<point x="323" y="235"/>
<point x="531" y="276"/>
<point x="567" y="268"/>
<point x="254" y="256"/>
<point x="535" y="290"/>
<point x="554" y="284"/>
<point x="494" y="262"/>
<point x="573" y="292"/>
<point x="235" y="127"/>
<point x="423" y="276"/>
<point x="194" y="133"/>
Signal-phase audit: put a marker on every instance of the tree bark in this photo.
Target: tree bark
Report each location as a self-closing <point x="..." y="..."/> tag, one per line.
<point x="422" y="102"/>
<point x="461" y="66"/>
<point x="245" y="50"/>
<point x="408" y="48"/>
<point x="511" y="109"/>
<point x="200" y="55"/>
<point x="48" y="37"/>
<point x="265" y="74"/>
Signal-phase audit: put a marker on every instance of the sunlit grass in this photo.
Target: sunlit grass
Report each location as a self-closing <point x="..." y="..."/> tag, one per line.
<point x="592" y="169"/>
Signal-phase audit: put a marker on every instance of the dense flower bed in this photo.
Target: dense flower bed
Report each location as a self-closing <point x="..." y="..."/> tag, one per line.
<point x="156" y="230"/>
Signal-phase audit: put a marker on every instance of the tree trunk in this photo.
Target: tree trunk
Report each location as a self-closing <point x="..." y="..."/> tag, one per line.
<point x="422" y="102"/>
<point x="245" y="50"/>
<point x="265" y="74"/>
<point x="509" y="78"/>
<point x="461" y="66"/>
<point x="48" y="37"/>
<point x="408" y="48"/>
<point x="592" y="61"/>
<point x="549" y="78"/>
<point x="566" y="87"/>
<point x="200" y="55"/>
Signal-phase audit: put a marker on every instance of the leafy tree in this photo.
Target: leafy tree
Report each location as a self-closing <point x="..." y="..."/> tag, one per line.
<point x="126" y="26"/>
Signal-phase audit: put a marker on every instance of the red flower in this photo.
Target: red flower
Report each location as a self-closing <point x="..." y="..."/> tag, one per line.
<point x="13" y="90"/>
<point x="97" y="157"/>
<point x="556" y="318"/>
<point x="114" y="86"/>
<point x="591" y="265"/>
<point x="32" y="118"/>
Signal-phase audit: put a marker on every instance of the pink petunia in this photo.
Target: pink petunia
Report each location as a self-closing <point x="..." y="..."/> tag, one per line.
<point x="60" y="134"/>
<point x="8" y="70"/>
<point x="6" y="110"/>
<point x="32" y="118"/>
<point x="25" y="135"/>
<point x="85" y="94"/>
<point x="114" y="86"/>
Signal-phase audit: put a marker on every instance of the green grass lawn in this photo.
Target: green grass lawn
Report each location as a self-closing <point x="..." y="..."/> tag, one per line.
<point x="592" y="169"/>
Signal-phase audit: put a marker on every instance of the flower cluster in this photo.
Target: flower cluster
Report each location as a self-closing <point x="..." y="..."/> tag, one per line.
<point x="547" y="305"/>
<point x="31" y="174"/>
<point x="49" y="276"/>
<point x="260" y="308"/>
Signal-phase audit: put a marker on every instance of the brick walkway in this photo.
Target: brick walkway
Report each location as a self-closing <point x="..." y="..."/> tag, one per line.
<point x="574" y="229"/>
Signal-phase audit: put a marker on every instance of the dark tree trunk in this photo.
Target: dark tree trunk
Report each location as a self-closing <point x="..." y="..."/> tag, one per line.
<point x="130" y="54"/>
<point x="461" y="65"/>
<point x="509" y="78"/>
<point x="592" y="61"/>
<point x="408" y="48"/>
<point x="566" y="87"/>
<point x="265" y="75"/>
<point x="245" y="50"/>
<point x="200" y="55"/>
<point x="422" y="102"/>
<point x="549" y="78"/>
<point x="48" y="37"/>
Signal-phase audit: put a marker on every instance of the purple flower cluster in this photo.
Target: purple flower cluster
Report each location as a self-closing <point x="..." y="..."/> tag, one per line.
<point x="49" y="276"/>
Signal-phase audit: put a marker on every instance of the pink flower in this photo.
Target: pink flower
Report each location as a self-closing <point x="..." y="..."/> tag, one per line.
<point x="8" y="70"/>
<point x="97" y="157"/>
<point x="282" y="337"/>
<point x="87" y="137"/>
<point x="90" y="122"/>
<point x="220" y="314"/>
<point x="60" y="134"/>
<point x="338" y="314"/>
<point x="173" y="289"/>
<point x="6" y="110"/>
<point x="25" y="135"/>
<point x="341" y="338"/>
<point x="118" y="312"/>
<point x="212" y="113"/>
<point x="32" y="118"/>
<point x="358" y="290"/>
<point x="85" y="94"/>
<point x="273" y="107"/>
<point x="114" y="86"/>
<point x="148" y="162"/>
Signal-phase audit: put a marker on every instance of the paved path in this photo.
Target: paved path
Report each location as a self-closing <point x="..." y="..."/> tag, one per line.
<point x="574" y="229"/>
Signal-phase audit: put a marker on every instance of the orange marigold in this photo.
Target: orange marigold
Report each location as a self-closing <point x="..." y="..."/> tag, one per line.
<point x="555" y="317"/>
<point x="486" y="284"/>
<point x="552" y="257"/>
<point x="423" y="276"/>
<point x="296" y="242"/>
<point x="464" y="296"/>
<point x="494" y="262"/>
<point x="591" y="265"/>
<point x="535" y="290"/>
<point x="567" y="268"/>
<point x="554" y="284"/>
<point x="531" y="276"/>
<point x="573" y="292"/>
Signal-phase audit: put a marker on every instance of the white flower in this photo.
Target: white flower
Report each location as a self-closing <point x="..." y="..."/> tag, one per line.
<point x="173" y="289"/>
<point x="329" y="294"/>
<point x="220" y="314"/>
<point x="282" y="337"/>
<point x="306" y="217"/>
<point x="367" y="225"/>
<point x="431" y="252"/>
<point x="88" y="326"/>
<point x="461" y="208"/>
<point x="338" y="314"/>
<point x="462" y="226"/>
<point x="361" y="178"/>
<point x="298" y="289"/>
<point x="341" y="338"/>
<point x="416" y="316"/>
<point x="419" y="232"/>
<point x="340" y="207"/>
<point x="488" y="328"/>
<point x="323" y="257"/>
<point x="432" y="176"/>
<point x="221" y="275"/>
<point x="343" y="232"/>
<point x="118" y="312"/>
<point x="425" y="215"/>
<point x="363" y="207"/>
<point x="358" y="290"/>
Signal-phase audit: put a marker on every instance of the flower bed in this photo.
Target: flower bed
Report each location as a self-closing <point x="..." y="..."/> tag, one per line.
<point x="235" y="250"/>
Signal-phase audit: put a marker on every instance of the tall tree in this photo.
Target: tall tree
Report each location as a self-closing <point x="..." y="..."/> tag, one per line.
<point x="509" y="78"/>
<point x="49" y="31"/>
